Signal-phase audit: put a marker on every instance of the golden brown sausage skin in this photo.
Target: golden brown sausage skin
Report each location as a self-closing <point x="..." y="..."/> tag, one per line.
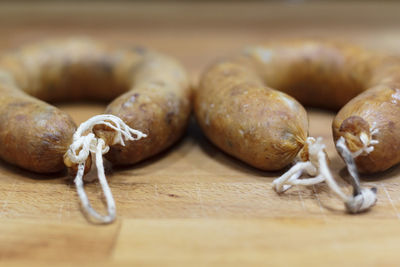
<point x="33" y="134"/>
<point x="316" y="73"/>
<point x="379" y="109"/>
<point x="263" y="127"/>
<point x="158" y="105"/>
<point x="154" y="98"/>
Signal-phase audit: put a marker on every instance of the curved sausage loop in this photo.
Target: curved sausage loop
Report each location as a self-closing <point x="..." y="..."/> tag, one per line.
<point x="317" y="166"/>
<point x="84" y="145"/>
<point x="240" y="110"/>
<point x="148" y="91"/>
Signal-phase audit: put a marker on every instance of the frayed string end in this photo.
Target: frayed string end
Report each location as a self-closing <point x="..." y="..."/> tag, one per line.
<point x="84" y="145"/>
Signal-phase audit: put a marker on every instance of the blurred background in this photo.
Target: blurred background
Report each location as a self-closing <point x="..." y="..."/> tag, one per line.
<point x="198" y="31"/>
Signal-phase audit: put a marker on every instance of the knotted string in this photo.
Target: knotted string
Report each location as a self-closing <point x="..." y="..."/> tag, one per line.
<point x="82" y="147"/>
<point x="317" y="166"/>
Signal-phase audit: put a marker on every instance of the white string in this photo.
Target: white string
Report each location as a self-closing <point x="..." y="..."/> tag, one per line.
<point x="317" y="166"/>
<point x="81" y="148"/>
<point x="363" y="198"/>
<point x="367" y="144"/>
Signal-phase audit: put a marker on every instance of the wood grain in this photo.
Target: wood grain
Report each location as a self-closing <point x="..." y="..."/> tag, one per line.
<point x="194" y="205"/>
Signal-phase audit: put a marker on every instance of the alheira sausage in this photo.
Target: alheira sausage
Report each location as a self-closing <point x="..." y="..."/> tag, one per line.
<point x="240" y="110"/>
<point x="152" y="95"/>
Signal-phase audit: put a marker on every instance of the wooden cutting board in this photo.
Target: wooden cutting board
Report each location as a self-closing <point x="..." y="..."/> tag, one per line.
<point x="194" y="205"/>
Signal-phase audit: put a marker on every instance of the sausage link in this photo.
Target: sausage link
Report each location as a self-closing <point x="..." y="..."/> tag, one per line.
<point x="152" y="90"/>
<point x="240" y="111"/>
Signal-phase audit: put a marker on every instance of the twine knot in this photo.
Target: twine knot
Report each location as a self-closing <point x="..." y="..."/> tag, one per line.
<point x="317" y="166"/>
<point x="83" y="146"/>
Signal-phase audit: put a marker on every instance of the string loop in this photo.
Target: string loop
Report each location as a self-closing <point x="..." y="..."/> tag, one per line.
<point x="317" y="166"/>
<point x="84" y="145"/>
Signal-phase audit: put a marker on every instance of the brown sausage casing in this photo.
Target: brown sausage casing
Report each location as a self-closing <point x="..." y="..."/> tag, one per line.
<point x="263" y="127"/>
<point x="152" y="90"/>
<point x="240" y="112"/>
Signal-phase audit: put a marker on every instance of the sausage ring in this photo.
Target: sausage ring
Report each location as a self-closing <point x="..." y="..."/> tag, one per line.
<point x="152" y="94"/>
<point x="240" y="112"/>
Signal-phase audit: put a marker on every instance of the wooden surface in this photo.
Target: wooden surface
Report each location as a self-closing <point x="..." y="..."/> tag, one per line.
<point x="193" y="205"/>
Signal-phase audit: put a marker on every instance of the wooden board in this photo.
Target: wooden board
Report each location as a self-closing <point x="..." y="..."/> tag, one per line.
<point x="194" y="205"/>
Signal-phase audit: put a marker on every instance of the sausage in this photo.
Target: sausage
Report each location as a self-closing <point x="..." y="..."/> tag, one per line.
<point x="240" y="110"/>
<point x="240" y="114"/>
<point x="374" y="114"/>
<point x="152" y="94"/>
